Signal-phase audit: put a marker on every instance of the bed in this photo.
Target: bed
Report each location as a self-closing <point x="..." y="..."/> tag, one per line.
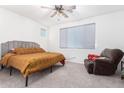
<point x="28" y="57"/>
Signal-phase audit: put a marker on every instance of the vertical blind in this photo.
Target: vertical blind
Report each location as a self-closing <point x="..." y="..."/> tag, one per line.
<point x="82" y="36"/>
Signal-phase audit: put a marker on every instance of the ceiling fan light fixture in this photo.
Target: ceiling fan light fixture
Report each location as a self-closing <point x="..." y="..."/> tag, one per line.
<point x="61" y="10"/>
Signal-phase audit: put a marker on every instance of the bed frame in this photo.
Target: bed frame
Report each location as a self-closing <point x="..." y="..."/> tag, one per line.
<point x="7" y="46"/>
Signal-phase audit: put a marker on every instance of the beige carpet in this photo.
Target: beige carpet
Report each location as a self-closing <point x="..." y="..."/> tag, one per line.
<point x="72" y="75"/>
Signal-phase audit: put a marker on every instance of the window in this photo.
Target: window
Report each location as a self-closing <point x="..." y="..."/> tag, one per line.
<point x="43" y="32"/>
<point x="78" y="37"/>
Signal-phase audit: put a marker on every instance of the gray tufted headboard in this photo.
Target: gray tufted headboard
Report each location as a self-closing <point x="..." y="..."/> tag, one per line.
<point x="7" y="46"/>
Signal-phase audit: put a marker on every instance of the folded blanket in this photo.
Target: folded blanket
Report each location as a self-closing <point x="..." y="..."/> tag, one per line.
<point x="93" y="57"/>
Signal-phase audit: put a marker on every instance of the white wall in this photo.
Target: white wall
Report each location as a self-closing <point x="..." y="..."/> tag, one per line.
<point x="109" y="34"/>
<point x="17" y="27"/>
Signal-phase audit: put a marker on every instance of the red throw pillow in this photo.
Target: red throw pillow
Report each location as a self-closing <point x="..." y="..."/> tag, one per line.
<point x="92" y="57"/>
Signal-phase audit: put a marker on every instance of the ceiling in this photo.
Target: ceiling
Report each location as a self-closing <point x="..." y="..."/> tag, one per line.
<point x="42" y="16"/>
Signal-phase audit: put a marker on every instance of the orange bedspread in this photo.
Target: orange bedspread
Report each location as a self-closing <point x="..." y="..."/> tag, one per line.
<point x="29" y="63"/>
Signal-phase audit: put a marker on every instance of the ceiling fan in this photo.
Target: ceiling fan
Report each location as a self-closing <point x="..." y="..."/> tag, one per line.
<point x="61" y="9"/>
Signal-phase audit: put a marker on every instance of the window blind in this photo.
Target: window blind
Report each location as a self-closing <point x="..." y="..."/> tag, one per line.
<point x="78" y="37"/>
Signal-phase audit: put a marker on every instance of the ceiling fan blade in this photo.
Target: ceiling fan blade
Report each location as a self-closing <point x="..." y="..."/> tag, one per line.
<point x="54" y="14"/>
<point x="73" y="7"/>
<point x="63" y="14"/>
<point x="69" y="6"/>
<point x="48" y="7"/>
<point x="69" y="10"/>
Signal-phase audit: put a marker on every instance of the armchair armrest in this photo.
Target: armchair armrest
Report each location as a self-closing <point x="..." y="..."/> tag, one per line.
<point x="103" y="60"/>
<point x="103" y="63"/>
<point x="103" y="66"/>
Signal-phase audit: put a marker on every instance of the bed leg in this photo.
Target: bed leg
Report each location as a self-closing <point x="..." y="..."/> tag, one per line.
<point x="62" y="62"/>
<point x="10" y="71"/>
<point x="2" y="67"/>
<point x="26" y="81"/>
<point x="51" y="69"/>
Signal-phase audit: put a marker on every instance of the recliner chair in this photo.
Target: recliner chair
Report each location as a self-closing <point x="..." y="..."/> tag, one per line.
<point x="106" y="64"/>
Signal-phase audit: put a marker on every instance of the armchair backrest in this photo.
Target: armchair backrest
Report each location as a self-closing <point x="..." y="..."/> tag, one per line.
<point x="114" y="54"/>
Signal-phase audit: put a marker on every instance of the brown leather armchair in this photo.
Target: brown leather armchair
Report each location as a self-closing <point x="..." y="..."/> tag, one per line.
<point x="106" y="64"/>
